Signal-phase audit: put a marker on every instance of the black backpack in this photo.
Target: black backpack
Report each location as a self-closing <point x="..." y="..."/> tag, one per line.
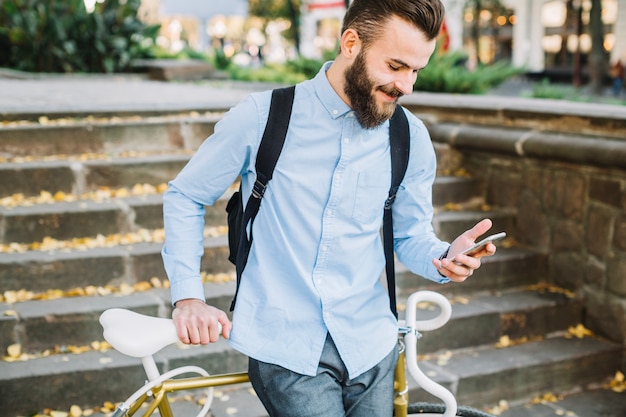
<point x="269" y="150"/>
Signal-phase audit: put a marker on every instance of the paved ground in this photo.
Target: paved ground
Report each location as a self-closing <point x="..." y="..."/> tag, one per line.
<point x="33" y="96"/>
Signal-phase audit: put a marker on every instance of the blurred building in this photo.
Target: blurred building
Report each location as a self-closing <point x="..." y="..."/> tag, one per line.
<point x="196" y="24"/>
<point x="534" y="34"/>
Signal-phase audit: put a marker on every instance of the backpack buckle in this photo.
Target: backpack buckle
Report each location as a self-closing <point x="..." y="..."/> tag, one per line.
<point x="258" y="190"/>
<point x="390" y="201"/>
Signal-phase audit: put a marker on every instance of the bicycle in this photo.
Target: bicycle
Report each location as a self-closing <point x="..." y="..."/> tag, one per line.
<point x="142" y="336"/>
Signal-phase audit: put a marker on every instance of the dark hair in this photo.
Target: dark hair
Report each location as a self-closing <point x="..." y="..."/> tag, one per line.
<point x="368" y="17"/>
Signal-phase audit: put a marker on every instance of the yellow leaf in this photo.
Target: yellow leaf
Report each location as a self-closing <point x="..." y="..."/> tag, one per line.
<point x="459" y="300"/>
<point x="579" y="331"/>
<point x="75" y="411"/>
<point x="14" y="350"/>
<point x="505" y="341"/>
<point x="10" y="296"/>
<point x="59" y="196"/>
<point x="142" y="286"/>
<point x="108" y="406"/>
<point x="126" y="289"/>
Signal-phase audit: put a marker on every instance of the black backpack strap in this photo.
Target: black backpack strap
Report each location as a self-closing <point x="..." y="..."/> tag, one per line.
<point x="267" y="156"/>
<point x="399" y="135"/>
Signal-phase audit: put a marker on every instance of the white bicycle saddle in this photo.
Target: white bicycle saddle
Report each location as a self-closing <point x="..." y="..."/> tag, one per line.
<point x="135" y="334"/>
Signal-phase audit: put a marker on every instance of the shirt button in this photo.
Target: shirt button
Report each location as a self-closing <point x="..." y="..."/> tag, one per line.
<point x="324" y="248"/>
<point x="346" y="140"/>
<point x="330" y="212"/>
<point x="335" y="111"/>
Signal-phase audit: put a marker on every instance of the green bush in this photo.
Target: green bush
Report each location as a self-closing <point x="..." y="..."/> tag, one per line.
<point x="447" y="73"/>
<point x="61" y="36"/>
<point x="273" y="73"/>
<point x="557" y="92"/>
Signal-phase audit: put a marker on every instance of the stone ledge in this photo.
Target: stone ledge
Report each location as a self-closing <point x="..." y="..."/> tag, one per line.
<point x="515" y="112"/>
<point x="175" y="70"/>
<point x="568" y="147"/>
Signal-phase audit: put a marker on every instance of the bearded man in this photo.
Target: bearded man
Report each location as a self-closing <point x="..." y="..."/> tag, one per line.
<point x="311" y="313"/>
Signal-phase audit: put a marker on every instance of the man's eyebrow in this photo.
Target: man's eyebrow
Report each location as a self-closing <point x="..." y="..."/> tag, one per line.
<point x="404" y="64"/>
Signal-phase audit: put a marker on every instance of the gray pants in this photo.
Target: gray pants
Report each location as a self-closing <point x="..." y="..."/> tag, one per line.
<point x="328" y="394"/>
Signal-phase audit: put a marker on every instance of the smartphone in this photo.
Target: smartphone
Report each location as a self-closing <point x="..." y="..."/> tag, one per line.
<point x="478" y="246"/>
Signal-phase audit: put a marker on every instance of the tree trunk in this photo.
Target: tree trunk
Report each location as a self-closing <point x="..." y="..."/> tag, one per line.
<point x="597" y="58"/>
<point x="294" y="17"/>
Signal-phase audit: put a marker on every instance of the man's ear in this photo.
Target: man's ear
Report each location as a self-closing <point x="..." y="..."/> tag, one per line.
<point x="350" y="43"/>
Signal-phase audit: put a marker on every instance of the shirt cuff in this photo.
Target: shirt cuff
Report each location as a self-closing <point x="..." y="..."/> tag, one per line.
<point x="191" y="287"/>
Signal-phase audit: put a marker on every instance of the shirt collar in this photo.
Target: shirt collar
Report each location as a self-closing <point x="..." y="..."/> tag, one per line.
<point x="335" y="106"/>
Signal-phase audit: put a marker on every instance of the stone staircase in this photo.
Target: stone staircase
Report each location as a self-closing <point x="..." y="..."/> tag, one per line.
<point x="81" y="232"/>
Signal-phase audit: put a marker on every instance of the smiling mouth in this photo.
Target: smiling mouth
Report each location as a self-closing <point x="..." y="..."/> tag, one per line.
<point x="390" y="94"/>
<point x="391" y="98"/>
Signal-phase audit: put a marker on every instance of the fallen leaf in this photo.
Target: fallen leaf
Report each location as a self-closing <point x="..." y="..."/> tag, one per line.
<point x="579" y="331"/>
<point x="14" y="350"/>
<point x="75" y="411"/>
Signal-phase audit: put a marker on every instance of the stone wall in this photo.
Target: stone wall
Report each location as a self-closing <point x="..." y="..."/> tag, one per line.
<point x="562" y="166"/>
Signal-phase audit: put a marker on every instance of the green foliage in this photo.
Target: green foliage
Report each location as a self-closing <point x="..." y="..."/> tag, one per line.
<point x="272" y="9"/>
<point x="61" y="36"/>
<point x="558" y="92"/>
<point x="447" y="73"/>
<point x="306" y="66"/>
<point x="272" y="73"/>
<point x="277" y="9"/>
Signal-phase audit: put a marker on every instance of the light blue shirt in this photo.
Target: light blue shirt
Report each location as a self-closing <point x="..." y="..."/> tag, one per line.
<point x="317" y="254"/>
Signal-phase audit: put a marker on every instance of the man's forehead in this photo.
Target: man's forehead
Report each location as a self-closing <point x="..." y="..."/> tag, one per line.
<point x="404" y="43"/>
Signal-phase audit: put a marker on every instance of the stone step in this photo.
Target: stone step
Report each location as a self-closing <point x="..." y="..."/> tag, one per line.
<point x="66" y="268"/>
<point x="38" y="271"/>
<point x="482" y="377"/>
<point x="48" y="323"/>
<point x="75" y="176"/>
<point x="514" y="314"/>
<point x="114" y="135"/>
<point x="94" y="377"/>
<point x="508" y="268"/>
<point x="449" y="224"/>
<point x="90" y="216"/>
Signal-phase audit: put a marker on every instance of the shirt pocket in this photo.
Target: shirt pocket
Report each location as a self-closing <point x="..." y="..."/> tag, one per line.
<point x="371" y="193"/>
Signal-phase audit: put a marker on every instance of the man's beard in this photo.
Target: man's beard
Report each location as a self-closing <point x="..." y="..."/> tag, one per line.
<point x="360" y="88"/>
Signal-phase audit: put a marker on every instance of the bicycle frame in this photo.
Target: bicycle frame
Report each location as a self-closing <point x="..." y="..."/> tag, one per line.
<point x="141" y="336"/>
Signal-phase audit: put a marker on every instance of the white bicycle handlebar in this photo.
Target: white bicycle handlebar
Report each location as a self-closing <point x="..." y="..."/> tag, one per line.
<point x="410" y="341"/>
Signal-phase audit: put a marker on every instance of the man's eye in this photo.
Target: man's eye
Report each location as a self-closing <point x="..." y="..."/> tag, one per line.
<point x="394" y="68"/>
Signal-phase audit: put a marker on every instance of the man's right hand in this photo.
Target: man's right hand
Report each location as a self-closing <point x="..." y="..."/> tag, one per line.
<point x="198" y="323"/>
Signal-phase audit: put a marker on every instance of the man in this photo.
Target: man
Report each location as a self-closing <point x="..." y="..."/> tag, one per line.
<point x="311" y="313"/>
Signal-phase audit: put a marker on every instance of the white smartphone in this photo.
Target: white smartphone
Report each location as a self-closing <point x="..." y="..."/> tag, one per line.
<point x="478" y="246"/>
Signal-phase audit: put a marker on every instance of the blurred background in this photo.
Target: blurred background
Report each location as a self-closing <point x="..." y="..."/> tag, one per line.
<point x="576" y="44"/>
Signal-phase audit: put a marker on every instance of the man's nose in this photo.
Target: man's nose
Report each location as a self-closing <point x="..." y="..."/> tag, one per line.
<point x="404" y="83"/>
